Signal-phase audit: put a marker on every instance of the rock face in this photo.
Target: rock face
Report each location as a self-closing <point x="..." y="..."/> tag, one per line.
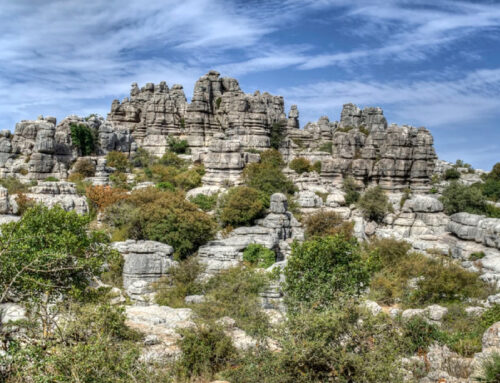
<point x="59" y="193"/>
<point x="476" y="228"/>
<point x="145" y="262"/>
<point x="274" y="231"/>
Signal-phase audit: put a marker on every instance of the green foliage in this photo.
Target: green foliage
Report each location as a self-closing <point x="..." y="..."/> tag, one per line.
<point x="13" y="185"/>
<point x="259" y="256"/>
<point x="494" y="174"/>
<point x="344" y="129"/>
<point x="49" y="251"/>
<point x="277" y="134"/>
<point x="267" y="176"/>
<point x="491" y="189"/>
<point x="205" y="202"/>
<point x="206" y="350"/>
<point x="477" y="255"/>
<point x="324" y="223"/>
<point x="177" y="145"/>
<point x="142" y="158"/>
<point x="235" y="293"/>
<point x="218" y="102"/>
<point x="317" y="167"/>
<point x="451" y="174"/>
<point x="113" y="274"/>
<point x="374" y="204"/>
<point x="322" y="269"/>
<point x="118" y="160"/>
<point x="188" y="179"/>
<point x="300" y="165"/>
<point x="461" y="198"/>
<point x="350" y="189"/>
<point x="119" y="180"/>
<point x="182" y="281"/>
<point x="419" y="334"/>
<point x="166" y="186"/>
<point x="85" y="167"/>
<point x="491" y="370"/>
<point x="162" y="216"/>
<point x="326" y="147"/>
<point x="83" y="138"/>
<point x="172" y="159"/>
<point x="364" y="130"/>
<point x="240" y="206"/>
<point x="51" y="179"/>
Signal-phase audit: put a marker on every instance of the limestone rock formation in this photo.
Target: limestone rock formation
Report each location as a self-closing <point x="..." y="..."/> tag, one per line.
<point x="476" y="228"/>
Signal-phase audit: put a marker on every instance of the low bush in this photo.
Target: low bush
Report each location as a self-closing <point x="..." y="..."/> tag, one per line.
<point x="326" y="147"/>
<point x="182" y="281"/>
<point x="51" y="179"/>
<point x="324" y="223"/>
<point x="119" y="180"/>
<point x="418" y="334"/>
<point x="142" y="158"/>
<point x="206" y="350"/>
<point x="85" y="167"/>
<point x="205" y="202"/>
<point x="13" y="185"/>
<point x="188" y="179"/>
<point x="102" y="196"/>
<point x="177" y="145"/>
<point x="317" y="167"/>
<point x="458" y="197"/>
<point x="118" y="160"/>
<point x="172" y="159"/>
<point x="374" y="204"/>
<point x="258" y="255"/>
<point x="451" y="174"/>
<point x="83" y="138"/>
<point x="322" y="269"/>
<point x="350" y="188"/>
<point x="240" y="206"/>
<point x="300" y="165"/>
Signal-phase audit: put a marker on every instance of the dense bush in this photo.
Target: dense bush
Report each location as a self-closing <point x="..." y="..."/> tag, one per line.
<point x="188" y="179"/>
<point x="206" y="349"/>
<point x="458" y="197"/>
<point x="322" y="269"/>
<point x="451" y="174"/>
<point x="83" y="138"/>
<point x="48" y="251"/>
<point x="350" y="189"/>
<point x="162" y="216"/>
<point x="205" y="202"/>
<point x="317" y="167"/>
<point x="418" y="334"/>
<point x="182" y="281"/>
<point x="142" y="158"/>
<point x="102" y="196"/>
<point x="277" y="134"/>
<point x="324" y="223"/>
<point x="172" y="159"/>
<point x="118" y="160"/>
<point x="240" y="206"/>
<point x="13" y="185"/>
<point x="177" y="145"/>
<point x="267" y="176"/>
<point x="259" y="256"/>
<point x="374" y="204"/>
<point x="85" y="167"/>
<point x="300" y="165"/>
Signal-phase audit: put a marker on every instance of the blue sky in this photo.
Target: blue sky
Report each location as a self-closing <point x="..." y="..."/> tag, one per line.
<point x="433" y="63"/>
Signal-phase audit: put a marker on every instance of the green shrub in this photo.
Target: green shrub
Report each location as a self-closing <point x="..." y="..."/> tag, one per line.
<point x="419" y="334"/>
<point x="163" y="216"/>
<point x="188" y="179"/>
<point x="321" y="269"/>
<point x="172" y="159"/>
<point x="374" y="204"/>
<point x="491" y="189"/>
<point x="119" y="180"/>
<point x="205" y="202"/>
<point x="142" y="158"/>
<point x="118" y="160"/>
<point x="272" y="157"/>
<point x="317" y="167"/>
<point x="51" y="179"/>
<point x="240" y="206"/>
<point x="477" y="255"/>
<point x="491" y="370"/>
<point x="13" y="185"/>
<point x="324" y="223"/>
<point x="277" y="134"/>
<point x="451" y="174"/>
<point x="206" y="350"/>
<point x="85" y="167"/>
<point x="181" y="282"/>
<point x="326" y="147"/>
<point x="54" y="249"/>
<point x="167" y="186"/>
<point x="461" y="198"/>
<point x="300" y="165"/>
<point x="83" y="138"/>
<point x="350" y="189"/>
<point x="177" y="145"/>
<point x="258" y="255"/>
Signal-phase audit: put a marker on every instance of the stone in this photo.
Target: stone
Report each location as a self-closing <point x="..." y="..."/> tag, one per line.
<point x="424" y="204"/>
<point x="309" y="199"/>
<point x="11" y="312"/>
<point x="59" y="193"/>
<point x="373" y="307"/>
<point x="436" y="312"/>
<point x="190" y="299"/>
<point x="476" y="228"/>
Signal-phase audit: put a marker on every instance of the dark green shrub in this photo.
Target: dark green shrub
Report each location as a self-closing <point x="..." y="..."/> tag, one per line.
<point x="83" y="138"/>
<point x="118" y="160"/>
<point x="167" y="186"/>
<point x="240" y="206"/>
<point x="461" y="198"/>
<point x="317" y="167"/>
<point x="419" y="334"/>
<point x="205" y="202"/>
<point x="177" y="145"/>
<point x="172" y="159"/>
<point x="218" y="102"/>
<point x="277" y="134"/>
<point x="259" y="256"/>
<point x="206" y="350"/>
<point x="142" y="158"/>
<point x="324" y="223"/>
<point x="477" y="255"/>
<point x="182" y="281"/>
<point x="374" y="204"/>
<point x="491" y="189"/>
<point x="350" y="189"/>
<point x="85" y="167"/>
<point x="188" y="179"/>
<point x="321" y="269"/>
<point x="300" y="165"/>
<point x="451" y="174"/>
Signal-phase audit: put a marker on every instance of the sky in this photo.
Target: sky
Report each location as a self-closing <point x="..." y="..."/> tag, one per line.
<point x="432" y="63"/>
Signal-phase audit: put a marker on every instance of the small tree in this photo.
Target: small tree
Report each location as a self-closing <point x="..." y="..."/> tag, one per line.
<point x="451" y="174"/>
<point x="350" y="188"/>
<point x="177" y="145"/>
<point x="324" y="223"/>
<point x="300" y="165"/>
<point x="277" y="134"/>
<point x="118" y="160"/>
<point x="458" y="197"/>
<point x="374" y="204"/>
<point x="85" y="167"/>
<point x="240" y="206"/>
<point x="82" y="138"/>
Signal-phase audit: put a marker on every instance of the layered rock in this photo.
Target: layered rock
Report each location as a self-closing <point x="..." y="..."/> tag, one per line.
<point x="274" y="232"/>
<point x="476" y="228"/>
